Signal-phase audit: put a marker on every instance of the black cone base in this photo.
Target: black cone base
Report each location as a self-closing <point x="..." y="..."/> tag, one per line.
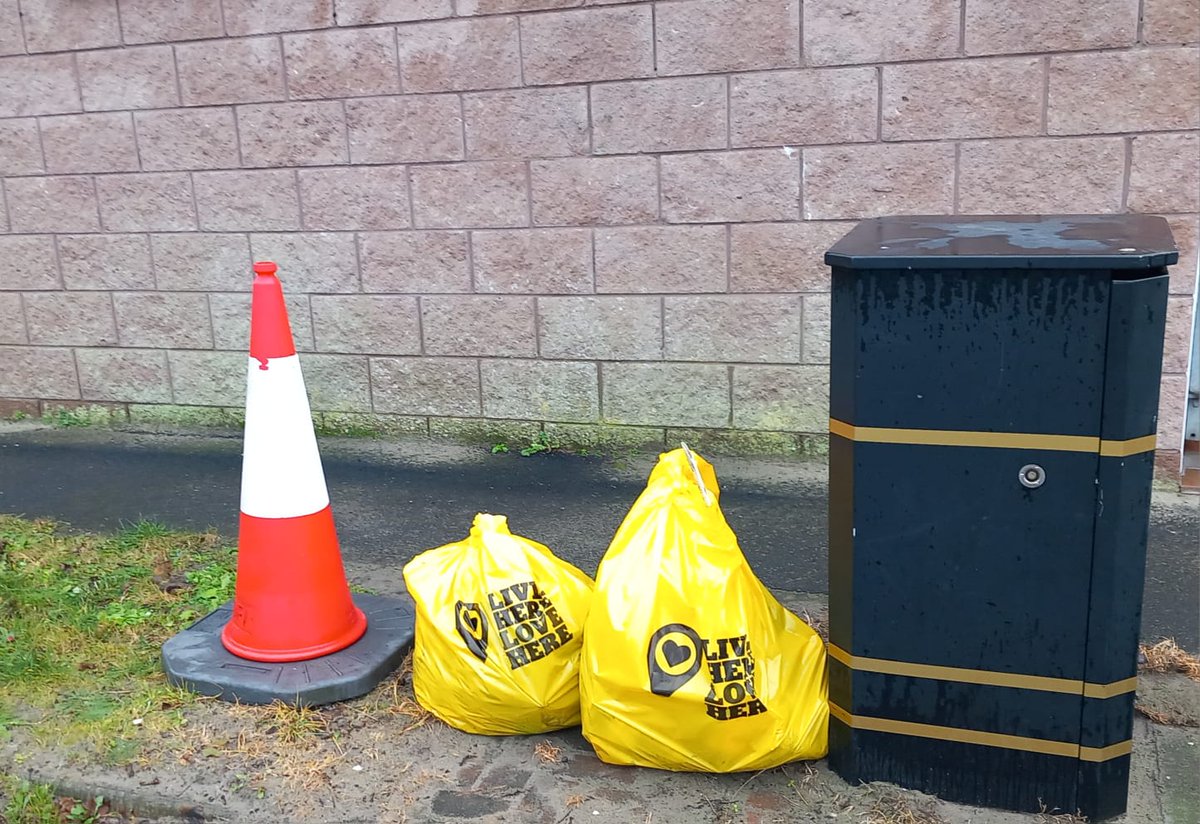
<point x="196" y="660"/>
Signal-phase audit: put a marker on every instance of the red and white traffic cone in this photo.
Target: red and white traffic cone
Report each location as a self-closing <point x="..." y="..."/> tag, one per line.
<point x="292" y="602"/>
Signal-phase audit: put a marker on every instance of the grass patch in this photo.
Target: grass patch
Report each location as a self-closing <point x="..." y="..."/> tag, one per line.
<point x="82" y="620"/>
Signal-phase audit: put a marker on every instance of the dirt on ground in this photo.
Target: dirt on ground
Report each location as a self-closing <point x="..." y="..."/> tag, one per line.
<point x="382" y="758"/>
<point x="1169" y="699"/>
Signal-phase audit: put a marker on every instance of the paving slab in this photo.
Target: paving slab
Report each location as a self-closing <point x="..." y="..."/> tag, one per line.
<point x="1179" y="774"/>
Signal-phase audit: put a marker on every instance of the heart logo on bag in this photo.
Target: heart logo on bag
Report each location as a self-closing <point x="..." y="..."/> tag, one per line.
<point x="672" y="658"/>
<point x="675" y="654"/>
<point x="472" y="627"/>
<point x="472" y="622"/>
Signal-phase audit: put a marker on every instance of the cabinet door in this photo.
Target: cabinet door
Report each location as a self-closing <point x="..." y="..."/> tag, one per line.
<point x="958" y="590"/>
<point x="947" y="384"/>
<point x="957" y="564"/>
<point x="1137" y="321"/>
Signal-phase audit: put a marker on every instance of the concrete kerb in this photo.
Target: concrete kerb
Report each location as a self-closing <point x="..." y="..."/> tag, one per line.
<point x="583" y="438"/>
<point x="164" y="808"/>
<point x="598" y="437"/>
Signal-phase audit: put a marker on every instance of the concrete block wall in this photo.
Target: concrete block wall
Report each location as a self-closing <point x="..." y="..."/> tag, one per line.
<point x="575" y="214"/>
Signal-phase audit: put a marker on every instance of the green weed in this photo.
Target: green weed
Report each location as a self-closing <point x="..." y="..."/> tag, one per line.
<point x="345" y="430"/>
<point x="8" y="720"/>
<point x="125" y="615"/>
<point x="86" y="812"/>
<point x="214" y="585"/>
<point x="68" y="418"/>
<point x="499" y="447"/>
<point x="542" y="442"/>
<point x="28" y="803"/>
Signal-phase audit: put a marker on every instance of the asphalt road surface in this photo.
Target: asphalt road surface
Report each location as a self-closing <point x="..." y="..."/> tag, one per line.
<point x="392" y="501"/>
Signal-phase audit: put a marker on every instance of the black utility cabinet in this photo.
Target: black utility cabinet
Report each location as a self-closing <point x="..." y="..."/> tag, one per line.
<point x="993" y="405"/>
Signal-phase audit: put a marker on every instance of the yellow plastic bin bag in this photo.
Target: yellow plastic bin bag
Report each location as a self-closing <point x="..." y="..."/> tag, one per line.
<point x="498" y="632"/>
<point x="689" y="662"/>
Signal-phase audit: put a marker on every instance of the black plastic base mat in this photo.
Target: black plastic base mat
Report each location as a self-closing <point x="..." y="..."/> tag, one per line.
<point x="196" y="660"/>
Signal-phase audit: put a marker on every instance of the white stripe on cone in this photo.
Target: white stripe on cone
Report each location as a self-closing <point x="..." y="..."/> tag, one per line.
<point x="281" y="467"/>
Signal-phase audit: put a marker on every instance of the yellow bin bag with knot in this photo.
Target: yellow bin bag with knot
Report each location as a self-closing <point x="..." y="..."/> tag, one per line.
<point x="498" y="632"/>
<point x="689" y="662"/>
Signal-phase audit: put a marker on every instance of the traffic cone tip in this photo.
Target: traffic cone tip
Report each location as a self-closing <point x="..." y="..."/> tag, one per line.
<point x="270" y="332"/>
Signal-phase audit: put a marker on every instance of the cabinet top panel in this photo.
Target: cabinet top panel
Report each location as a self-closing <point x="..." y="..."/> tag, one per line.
<point x="1112" y="242"/>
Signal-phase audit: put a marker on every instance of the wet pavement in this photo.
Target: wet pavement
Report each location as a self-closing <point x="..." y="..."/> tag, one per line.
<point x="395" y="499"/>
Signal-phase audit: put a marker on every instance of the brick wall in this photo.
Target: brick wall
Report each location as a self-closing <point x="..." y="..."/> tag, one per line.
<point x="512" y="210"/>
